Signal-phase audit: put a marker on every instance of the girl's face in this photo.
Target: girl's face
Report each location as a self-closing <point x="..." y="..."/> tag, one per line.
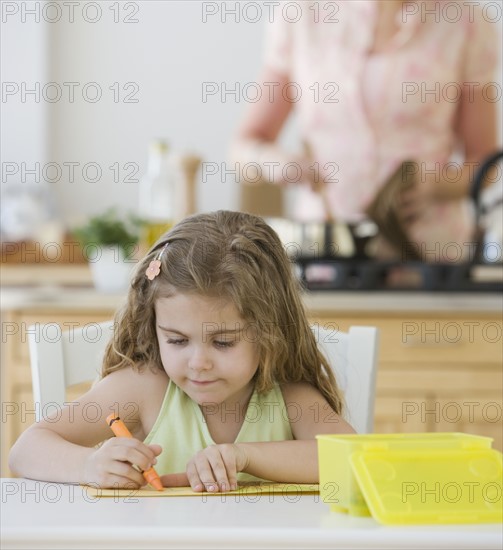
<point x="206" y="348"/>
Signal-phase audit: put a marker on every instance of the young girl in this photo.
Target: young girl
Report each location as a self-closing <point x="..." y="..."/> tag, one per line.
<point x="213" y="368"/>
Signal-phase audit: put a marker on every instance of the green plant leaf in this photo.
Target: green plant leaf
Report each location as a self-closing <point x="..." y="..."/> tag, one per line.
<point x="108" y="229"/>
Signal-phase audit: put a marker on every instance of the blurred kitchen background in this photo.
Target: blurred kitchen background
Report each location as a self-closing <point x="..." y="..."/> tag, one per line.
<point x="160" y="62"/>
<point x="128" y="73"/>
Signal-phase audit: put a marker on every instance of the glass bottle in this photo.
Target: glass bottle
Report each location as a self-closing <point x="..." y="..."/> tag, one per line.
<point x="157" y="193"/>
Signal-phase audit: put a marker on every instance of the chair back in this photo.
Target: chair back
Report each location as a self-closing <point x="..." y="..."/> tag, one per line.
<point x="353" y="358"/>
<point x="60" y="359"/>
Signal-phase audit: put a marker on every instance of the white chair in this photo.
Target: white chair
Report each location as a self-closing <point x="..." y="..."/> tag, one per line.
<point x="353" y="358"/>
<point x="59" y="360"/>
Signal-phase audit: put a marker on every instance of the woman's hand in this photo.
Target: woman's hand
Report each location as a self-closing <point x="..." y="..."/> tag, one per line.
<point x="413" y="202"/>
<point x="416" y="199"/>
<point x="112" y="464"/>
<point x="213" y="469"/>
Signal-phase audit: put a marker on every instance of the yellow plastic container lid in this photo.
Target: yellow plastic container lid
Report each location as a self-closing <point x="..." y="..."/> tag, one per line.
<point x="441" y="486"/>
<point x="409" y="440"/>
<point x="394" y="477"/>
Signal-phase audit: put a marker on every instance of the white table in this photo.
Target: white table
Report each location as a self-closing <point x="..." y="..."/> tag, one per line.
<point x="51" y="515"/>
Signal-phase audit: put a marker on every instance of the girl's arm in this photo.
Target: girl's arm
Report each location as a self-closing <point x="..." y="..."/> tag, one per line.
<point x="297" y="460"/>
<point x="215" y="468"/>
<point x="60" y="448"/>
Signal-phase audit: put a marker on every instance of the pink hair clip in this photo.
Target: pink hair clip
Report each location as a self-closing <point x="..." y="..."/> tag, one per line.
<point x="154" y="267"/>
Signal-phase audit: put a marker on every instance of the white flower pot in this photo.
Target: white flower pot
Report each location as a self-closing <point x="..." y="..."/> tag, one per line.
<point x="110" y="270"/>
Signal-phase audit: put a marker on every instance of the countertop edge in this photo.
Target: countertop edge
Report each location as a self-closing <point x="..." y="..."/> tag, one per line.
<point x="317" y="303"/>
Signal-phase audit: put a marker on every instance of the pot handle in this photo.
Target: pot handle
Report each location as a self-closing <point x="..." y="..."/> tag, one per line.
<point x="479" y="176"/>
<point x="475" y="192"/>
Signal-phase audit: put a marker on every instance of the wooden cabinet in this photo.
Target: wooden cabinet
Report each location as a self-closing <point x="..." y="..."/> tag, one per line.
<point x="436" y="373"/>
<point x="16" y="388"/>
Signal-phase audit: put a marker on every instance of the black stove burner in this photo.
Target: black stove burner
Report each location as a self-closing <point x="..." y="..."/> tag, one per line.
<point x="346" y="274"/>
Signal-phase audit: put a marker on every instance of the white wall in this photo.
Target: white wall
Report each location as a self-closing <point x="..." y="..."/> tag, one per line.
<point x="167" y="55"/>
<point x="24" y="57"/>
<point x="24" y="126"/>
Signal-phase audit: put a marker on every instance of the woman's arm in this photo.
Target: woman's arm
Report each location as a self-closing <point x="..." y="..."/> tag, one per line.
<point x="476" y="129"/>
<point x="265" y="118"/>
<point x="477" y="132"/>
<point x="261" y="125"/>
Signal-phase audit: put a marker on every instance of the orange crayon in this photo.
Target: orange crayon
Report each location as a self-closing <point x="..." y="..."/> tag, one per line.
<point x="120" y="430"/>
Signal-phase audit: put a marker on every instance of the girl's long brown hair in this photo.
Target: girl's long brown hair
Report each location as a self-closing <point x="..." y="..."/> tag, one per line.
<point x="238" y="257"/>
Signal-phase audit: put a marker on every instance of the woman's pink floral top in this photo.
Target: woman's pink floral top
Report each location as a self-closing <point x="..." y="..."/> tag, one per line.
<point x="363" y="113"/>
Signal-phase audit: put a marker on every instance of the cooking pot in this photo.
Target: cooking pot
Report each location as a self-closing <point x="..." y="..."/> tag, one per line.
<point x="333" y="256"/>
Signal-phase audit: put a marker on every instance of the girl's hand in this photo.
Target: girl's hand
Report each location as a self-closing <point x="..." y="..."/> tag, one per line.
<point x="112" y="464"/>
<point x="213" y="469"/>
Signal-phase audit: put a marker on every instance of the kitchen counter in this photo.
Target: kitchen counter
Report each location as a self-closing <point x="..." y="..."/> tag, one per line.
<point x="338" y="301"/>
<point x="45" y="274"/>
<point x="58" y="298"/>
<point x="319" y="303"/>
<point x="70" y="285"/>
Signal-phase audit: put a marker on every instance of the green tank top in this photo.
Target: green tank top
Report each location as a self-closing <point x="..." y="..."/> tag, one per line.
<point x="181" y="429"/>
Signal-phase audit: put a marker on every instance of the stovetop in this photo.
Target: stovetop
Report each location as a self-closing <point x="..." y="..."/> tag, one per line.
<point x="346" y="274"/>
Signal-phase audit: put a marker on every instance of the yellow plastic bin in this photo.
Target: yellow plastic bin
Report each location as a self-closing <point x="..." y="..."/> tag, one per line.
<point x="412" y="478"/>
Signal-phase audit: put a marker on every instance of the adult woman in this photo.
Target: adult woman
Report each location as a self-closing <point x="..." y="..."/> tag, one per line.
<point x="381" y="83"/>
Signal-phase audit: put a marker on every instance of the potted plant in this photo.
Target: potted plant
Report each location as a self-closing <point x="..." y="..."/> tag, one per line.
<point x="109" y="244"/>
